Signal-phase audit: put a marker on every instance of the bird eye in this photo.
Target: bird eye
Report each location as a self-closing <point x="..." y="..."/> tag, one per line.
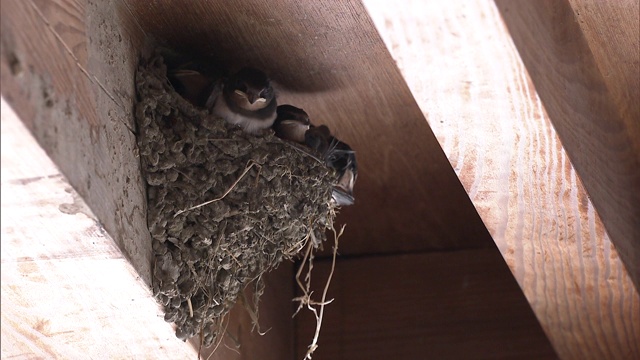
<point x="265" y="93"/>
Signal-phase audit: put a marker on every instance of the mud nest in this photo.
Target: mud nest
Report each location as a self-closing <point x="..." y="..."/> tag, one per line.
<point x="224" y="207"/>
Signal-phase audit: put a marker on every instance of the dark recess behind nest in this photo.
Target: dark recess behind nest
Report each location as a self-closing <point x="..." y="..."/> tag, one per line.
<point x="261" y="35"/>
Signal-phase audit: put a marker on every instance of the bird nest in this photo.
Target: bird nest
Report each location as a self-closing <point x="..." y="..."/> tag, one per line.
<point x="224" y="207"/>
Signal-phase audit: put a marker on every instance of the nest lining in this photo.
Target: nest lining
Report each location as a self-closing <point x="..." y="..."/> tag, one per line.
<point x="224" y="207"/>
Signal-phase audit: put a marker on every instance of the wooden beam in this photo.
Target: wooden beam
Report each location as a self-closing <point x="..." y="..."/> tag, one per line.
<point x="67" y="290"/>
<point x="328" y="58"/>
<point x="584" y="59"/>
<point x="439" y="305"/>
<point x="464" y="70"/>
<point x="71" y="82"/>
<point x="67" y="68"/>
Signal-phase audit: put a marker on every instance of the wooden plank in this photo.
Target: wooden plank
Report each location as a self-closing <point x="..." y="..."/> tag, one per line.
<point x="612" y="31"/>
<point x="439" y="305"/>
<point x="494" y="130"/>
<point x="67" y="290"/>
<point x="584" y="60"/>
<point x="67" y="67"/>
<point x="328" y="58"/>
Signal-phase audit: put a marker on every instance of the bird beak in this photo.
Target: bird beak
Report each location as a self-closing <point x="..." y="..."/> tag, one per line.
<point x="347" y="180"/>
<point x="343" y="191"/>
<point x="253" y="98"/>
<point x="250" y="101"/>
<point x="341" y="198"/>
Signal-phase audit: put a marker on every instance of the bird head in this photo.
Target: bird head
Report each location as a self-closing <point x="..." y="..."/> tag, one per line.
<point x="342" y="158"/>
<point x="290" y="112"/>
<point x="249" y="89"/>
<point x="291" y="123"/>
<point x="317" y="138"/>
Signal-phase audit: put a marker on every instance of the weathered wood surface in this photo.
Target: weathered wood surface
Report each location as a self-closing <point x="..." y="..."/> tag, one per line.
<point x="69" y="293"/>
<point x="67" y="290"/>
<point x="465" y="73"/>
<point x="328" y="59"/>
<point x="584" y="59"/>
<point x="438" y="305"/>
<point x="67" y="68"/>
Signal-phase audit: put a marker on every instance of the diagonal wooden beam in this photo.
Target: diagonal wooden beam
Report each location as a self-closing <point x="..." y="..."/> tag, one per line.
<point x="70" y="81"/>
<point x="463" y="69"/>
<point x="68" y="70"/>
<point x="584" y="60"/>
<point x="67" y="290"/>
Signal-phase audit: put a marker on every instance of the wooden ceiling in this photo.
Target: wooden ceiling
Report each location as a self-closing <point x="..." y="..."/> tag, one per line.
<point x="67" y="68"/>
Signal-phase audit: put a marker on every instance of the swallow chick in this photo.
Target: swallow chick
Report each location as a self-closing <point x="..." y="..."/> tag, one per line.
<point x="192" y="85"/>
<point x="192" y="78"/>
<point x="247" y="100"/>
<point x="317" y="138"/>
<point x="342" y="158"/>
<point x="291" y="123"/>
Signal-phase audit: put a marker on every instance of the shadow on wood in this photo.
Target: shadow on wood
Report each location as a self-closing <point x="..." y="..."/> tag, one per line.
<point x="445" y="305"/>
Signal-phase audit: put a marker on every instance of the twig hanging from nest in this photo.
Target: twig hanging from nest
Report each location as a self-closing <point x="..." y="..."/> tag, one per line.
<point x="305" y="299"/>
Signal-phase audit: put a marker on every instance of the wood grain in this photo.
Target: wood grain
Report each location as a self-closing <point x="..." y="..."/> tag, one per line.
<point x="328" y="59"/>
<point x="67" y="67"/>
<point x="438" y="305"/>
<point x="585" y="63"/>
<point x="67" y="290"/>
<point x="465" y="73"/>
<point x="612" y="32"/>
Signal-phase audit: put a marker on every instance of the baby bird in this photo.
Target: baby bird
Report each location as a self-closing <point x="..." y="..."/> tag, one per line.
<point x="247" y="100"/>
<point x="192" y="78"/>
<point x="342" y="158"/>
<point x="293" y="124"/>
<point x="192" y="85"/>
<point x="317" y="138"/>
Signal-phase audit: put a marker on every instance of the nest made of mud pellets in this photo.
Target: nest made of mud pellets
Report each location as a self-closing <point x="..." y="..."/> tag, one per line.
<point x="265" y="199"/>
